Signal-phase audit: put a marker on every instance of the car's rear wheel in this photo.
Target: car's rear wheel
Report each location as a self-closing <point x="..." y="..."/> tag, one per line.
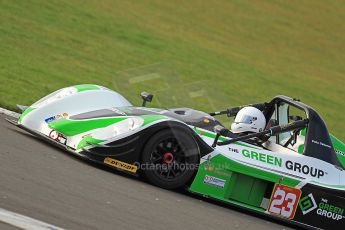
<point x="170" y="158"/>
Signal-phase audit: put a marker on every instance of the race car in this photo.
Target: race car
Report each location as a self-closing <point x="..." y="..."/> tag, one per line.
<point x="292" y="170"/>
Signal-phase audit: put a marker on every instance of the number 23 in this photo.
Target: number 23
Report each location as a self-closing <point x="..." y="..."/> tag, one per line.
<point x="283" y="203"/>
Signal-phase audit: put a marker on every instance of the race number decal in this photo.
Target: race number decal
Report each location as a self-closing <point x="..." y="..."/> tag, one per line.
<point x="284" y="201"/>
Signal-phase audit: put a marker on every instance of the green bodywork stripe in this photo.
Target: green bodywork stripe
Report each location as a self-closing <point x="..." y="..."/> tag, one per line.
<point x="340" y="147"/>
<point x="86" y="87"/>
<point x="28" y="110"/>
<point x="152" y="118"/>
<point x="240" y="204"/>
<point x="74" y="127"/>
<point x="300" y="149"/>
<point x="213" y="135"/>
<point x="337" y="144"/>
<point x="88" y="140"/>
<point x="303" y="132"/>
<point x="232" y="174"/>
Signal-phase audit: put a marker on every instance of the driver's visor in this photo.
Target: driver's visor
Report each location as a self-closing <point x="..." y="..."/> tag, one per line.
<point x="245" y="119"/>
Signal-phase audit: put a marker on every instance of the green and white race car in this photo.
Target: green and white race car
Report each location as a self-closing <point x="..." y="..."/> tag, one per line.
<point x="293" y="170"/>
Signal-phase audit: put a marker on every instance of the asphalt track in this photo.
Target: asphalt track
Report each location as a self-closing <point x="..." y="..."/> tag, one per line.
<point x="48" y="184"/>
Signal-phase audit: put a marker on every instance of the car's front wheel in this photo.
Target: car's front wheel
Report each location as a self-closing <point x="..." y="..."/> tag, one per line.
<point x="170" y="158"/>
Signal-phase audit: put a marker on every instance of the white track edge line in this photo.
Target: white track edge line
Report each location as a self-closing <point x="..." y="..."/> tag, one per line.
<point x="24" y="222"/>
<point x="16" y="219"/>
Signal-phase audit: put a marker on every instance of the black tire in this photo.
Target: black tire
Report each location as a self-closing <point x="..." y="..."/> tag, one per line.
<point x="164" y="171"/>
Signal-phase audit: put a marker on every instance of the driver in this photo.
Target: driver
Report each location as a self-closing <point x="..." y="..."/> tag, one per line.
<point x="249" y="120"/>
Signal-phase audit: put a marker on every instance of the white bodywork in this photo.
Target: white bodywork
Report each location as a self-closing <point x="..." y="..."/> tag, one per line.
<point x="68" y="102"/>
<point x="294" y="165"/>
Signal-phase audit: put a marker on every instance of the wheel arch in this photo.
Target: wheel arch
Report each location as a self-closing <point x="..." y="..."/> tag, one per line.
<point x="203" y="148"/>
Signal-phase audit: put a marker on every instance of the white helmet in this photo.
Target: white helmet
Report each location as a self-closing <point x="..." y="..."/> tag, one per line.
<point x="249" y="119"/>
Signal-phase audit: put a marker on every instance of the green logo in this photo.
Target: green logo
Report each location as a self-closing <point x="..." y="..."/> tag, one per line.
<point x="266" y="158"/>
<point x="307" y="204"/>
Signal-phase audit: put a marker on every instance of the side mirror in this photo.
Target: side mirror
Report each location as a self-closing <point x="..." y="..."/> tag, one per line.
<point x="220" y="130"/>
<point x="146" y="98"/>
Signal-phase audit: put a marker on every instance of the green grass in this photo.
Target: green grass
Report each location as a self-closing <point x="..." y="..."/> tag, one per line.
<point x="225" y="53"/>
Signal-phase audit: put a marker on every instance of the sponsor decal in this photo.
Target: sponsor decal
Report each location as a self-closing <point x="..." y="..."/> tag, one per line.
<point x="57" y="137"/>
<point x="233" y="150"/>
<point x="305" y="169"/>
<point x="121" y="165"/>
<point x="321" y="144"/>
<point x="329" y="210"/>
<point x="54" y="135"/>
<point x="214" y="181"/>
<point x="216" y="170"/>
<point x="307" y="204"/>
<point x="277" y="161"/>
<point x="53" y="118"/>
<point x="209" y="167"/>
<point x="50" y="119"/>
<point x="324" y="208"/>
<point x="284" y="201"/>
<point x="266" y="158"/>
<point x="118" y="111"/>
